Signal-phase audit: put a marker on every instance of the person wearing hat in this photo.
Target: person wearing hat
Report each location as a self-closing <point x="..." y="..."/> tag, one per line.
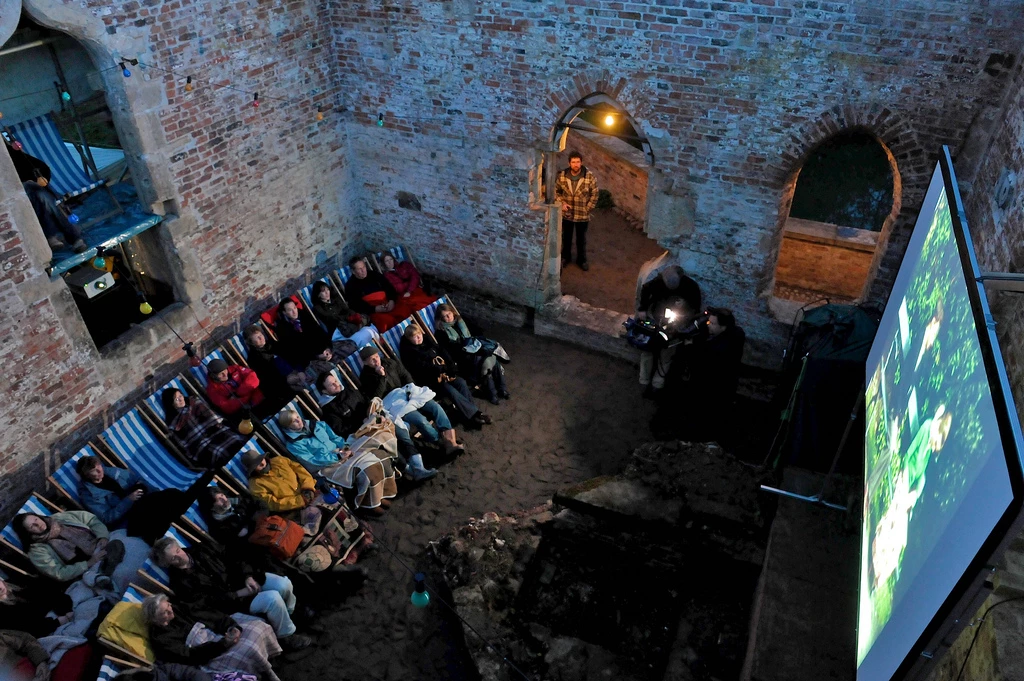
<point x="382" y="375"/>
<point x="232" y="388"/>
<point x="280" y="484"/>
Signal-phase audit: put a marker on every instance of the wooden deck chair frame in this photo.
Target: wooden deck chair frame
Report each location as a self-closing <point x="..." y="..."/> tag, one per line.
<point x="336" y="276"/>
<point x="395" y="352"/>
<point x="59" y="486"/>
<point x="11" y="568"/>
<point x="126" y="665"/>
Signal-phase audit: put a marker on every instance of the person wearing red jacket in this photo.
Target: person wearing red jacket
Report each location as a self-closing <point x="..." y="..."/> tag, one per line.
<point x="406" y="282"/>
<point x="233" y="389"/>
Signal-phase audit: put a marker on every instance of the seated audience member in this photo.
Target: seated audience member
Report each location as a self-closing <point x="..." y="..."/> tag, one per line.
<point x="205" y="579"/>
<point x="200" y="433"/>
<point x="231" y="520"/>
<point x="237" y="643"/>
<point x="432" y="367"/>
<point x="22" y="657"/>
<point x="674" y="292"/>
<point x="381" y="377"/>
<point x="69" y="545"/>
<point x="367" y="472"/>
<point x="478" y="365"/>
<point x="29" y="608"/>
<point x="371" y="294"/>
<point x="299" y="337"/>
<point x="35" y="179"/>
<point x="271" y="368"/>
<point x="234" y="389"/>
<point x="404" y="278"/>
<point x="282" y="485"/>
<point x="713" y="363"/>
<point x="345" y="411"/>
<point x="120" y="498"/>
<point x="343" y="323"/>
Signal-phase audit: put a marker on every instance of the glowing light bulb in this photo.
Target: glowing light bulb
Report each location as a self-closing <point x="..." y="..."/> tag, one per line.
<point x="124" y="71"/>
<point x="73" y="219"/>
<point x="99" y="262"/>
<point x="319" y="114"/>
<point x="17" y="145"/>
<point x="245" y="427"/>
<point x="380" y="120"/>
<point x="145" y="307"/>
<point x="609" y="120"/>
<point x="420" y="598"/>
<point x="65" y="95"/>
<point x="256" y="101"/>
<point x="188" y="84"/>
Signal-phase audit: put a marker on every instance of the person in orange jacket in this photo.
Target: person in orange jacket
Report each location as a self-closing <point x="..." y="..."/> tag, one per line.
<point x="233" y="389"/>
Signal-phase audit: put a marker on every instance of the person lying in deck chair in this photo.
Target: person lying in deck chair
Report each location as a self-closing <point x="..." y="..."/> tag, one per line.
<point x="35" y="178"/>
<point x="69" y="545"/>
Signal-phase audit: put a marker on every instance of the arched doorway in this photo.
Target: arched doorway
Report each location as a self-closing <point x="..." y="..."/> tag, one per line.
<point x="845" y="200"/>
<point x="612" y="147"/>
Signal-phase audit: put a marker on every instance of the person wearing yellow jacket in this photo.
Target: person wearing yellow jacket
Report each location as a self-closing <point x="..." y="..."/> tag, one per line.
<point x="282" y="485"/>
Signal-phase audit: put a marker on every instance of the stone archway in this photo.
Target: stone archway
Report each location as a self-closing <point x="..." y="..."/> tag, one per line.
<point x="911" y="168"/>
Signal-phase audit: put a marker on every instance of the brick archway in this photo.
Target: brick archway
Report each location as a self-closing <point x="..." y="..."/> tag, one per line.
<point x="910" y="164"/>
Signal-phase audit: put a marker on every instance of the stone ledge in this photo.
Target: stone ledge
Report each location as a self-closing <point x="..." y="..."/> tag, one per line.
<point x="571" y="320"/>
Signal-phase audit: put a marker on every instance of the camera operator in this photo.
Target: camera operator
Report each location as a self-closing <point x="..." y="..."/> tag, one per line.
<point x="671" y="300"/>
<point x="697" y="407"/>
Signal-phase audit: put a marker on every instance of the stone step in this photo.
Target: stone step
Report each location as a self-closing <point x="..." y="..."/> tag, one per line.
<point x="571" y="320"/>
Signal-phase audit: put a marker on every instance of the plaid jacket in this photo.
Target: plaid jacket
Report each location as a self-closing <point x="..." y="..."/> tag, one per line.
<point x="582" y="201"/>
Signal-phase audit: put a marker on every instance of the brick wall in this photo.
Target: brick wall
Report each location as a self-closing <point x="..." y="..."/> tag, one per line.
<point x="731" y="96"/>
<point x="820" y="257"/>
<point x="618" y="167"/>
<point x="261" y="197"/>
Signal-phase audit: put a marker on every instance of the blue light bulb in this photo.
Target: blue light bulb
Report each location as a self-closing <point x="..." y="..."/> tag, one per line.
<point x="420" y="598"/>
<point x="73" y="219"/>
<point x="125" y="71"/>
<point x="66" y="96"/>
<point x="100" y="263"/>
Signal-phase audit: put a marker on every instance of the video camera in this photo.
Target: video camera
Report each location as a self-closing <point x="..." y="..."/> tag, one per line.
<point x="653" y="334"/>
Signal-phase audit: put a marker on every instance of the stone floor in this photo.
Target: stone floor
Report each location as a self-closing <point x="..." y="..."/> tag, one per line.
<point x="573" y="415"/>
<point x="615" y="252"/>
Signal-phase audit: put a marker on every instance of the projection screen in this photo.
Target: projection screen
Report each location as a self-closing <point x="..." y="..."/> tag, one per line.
<point x="942" y="441"/>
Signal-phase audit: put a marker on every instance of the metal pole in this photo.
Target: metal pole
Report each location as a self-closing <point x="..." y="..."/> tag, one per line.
<point x="26" y="46"/>
<point x="74" y="114"/>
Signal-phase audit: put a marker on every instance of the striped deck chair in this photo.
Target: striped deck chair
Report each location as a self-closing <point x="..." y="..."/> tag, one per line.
<point x="317" y="395"/>
<point x="40" y="138"/>
<point x="236" y="344"/>
<point x="66" y="478"/>
<point x="393" y="336"/>
<point x="399" y="253"/>
<point x="426" y="315"/>
<point x="139" y="450"/>
<point x="134" y="594"/>
<point x="306" y="294"/>
<point x="156" y="574"/>
<point x="355" y="362"/>
<point x="199" y="372"/>
<point x="111" y="667"/>
<point x="275" y="430"/>
<point x="35" y="505"/>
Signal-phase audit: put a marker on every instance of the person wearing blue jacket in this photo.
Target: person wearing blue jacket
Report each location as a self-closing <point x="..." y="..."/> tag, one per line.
<point x="120" y="498"/>
<point x="367" y="471"/>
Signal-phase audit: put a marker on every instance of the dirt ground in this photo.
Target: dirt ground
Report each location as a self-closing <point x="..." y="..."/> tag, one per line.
<point x="573" y="415"/>
<point x="615" y="253"/>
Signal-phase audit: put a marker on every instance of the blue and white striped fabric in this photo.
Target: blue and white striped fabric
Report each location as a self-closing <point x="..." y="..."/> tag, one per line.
<point x="134" y="444"/>
<point x="34" y="506"/>
<point x="132" y="595"/>
<point x="427" y="314"/>
<point x="156" y="404"/>
<point x="319" y="396"/>
<point x="199" y="372"/>
<point x="355" y="362"/>
<point x="67" y="476"/>
<point x="393" y="336"/>
<point x="40" y="138"/>
<point x="399" y="253"/>
<point x="154" y="571"/>
<point x="237" y="343"/>
<point x="109" y="670"/>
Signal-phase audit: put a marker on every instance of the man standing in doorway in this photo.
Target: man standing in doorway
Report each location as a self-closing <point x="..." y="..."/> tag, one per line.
<point x="576" y="189"/>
